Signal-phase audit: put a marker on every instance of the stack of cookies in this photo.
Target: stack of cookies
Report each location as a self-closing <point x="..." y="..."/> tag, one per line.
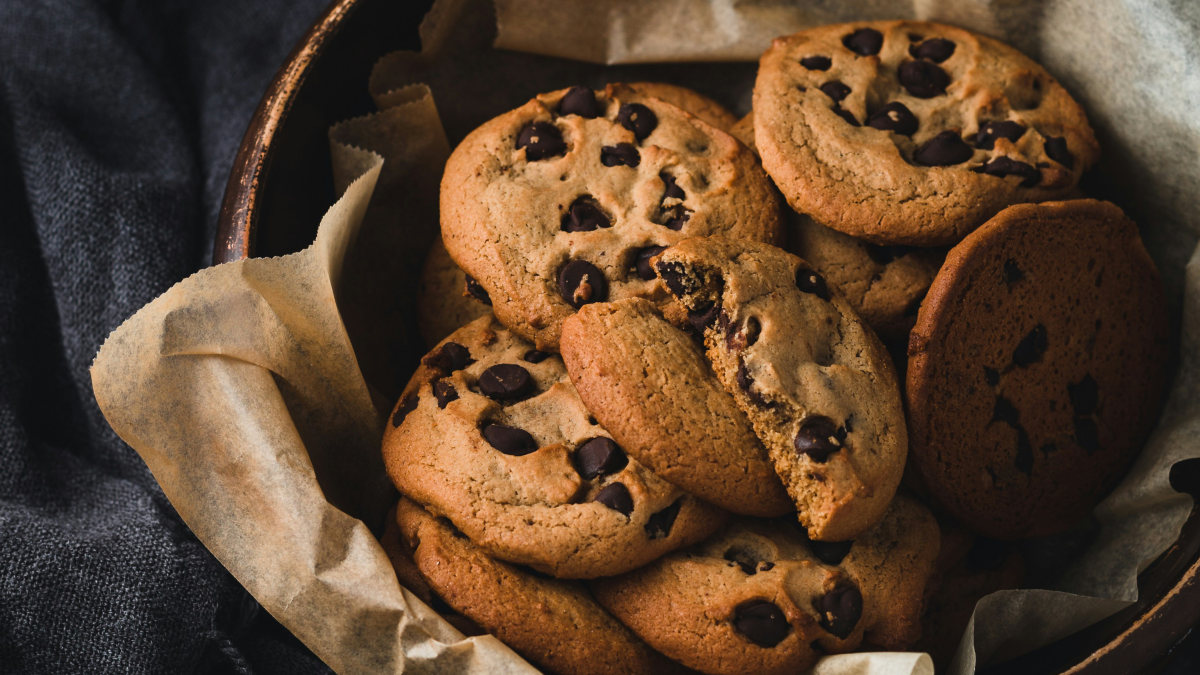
<point x="658" y="427"/>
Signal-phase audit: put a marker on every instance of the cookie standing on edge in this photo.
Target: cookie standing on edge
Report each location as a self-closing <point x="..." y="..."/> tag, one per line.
<point x="558" y="203"/>
<point x="907" y="132"/>
<point x="491" y="434"/>
<point x="1037" y="367"/>
<point x="816" y="383"/>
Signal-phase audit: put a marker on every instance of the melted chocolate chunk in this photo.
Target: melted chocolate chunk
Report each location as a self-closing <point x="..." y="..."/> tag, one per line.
<point x="476" y="291"/>
<point x="509" y="440"/>
<point x="637" y="118"/>
<point x="642" y="261"/>
<point x="923" y="79"/>
<point x="506" y="382"/>
<point x="599" y="456"/>
<point x="990" y="131"/>
<point x="835" y="90"/>
<point x="1012" y="273"/>
<point x="407" y="405"/>
<point x="621" y="154"/>
<point x="676" y="217"/>
<point x="580" y="283"/>
<point x="761" y="621"/>
<point x="678" y="281"/>
<point x="535" y="356"/>
<point x="846" y="115"/>
<point x="753" y="328"/>
<point x="670" y="188"/>
<point x="840" y="609"/>
<point x="809" y="281"/>
<point x="541" y="140"/>
<point x="864" y="41"/>
<point x="1087" y="434"/>
<point x="744" y="559"/>
<point x="616" y="497"/>
<point x="444" y="392"/>
<point x="1031" y="347"/>
<point x="659" y="524"/>
<point x="584" y="215"/>
<point x="1007" y="166"/>
<point x="1056" y="149"/>
<point x="830" y="552"/>
<point x="746" y="383"/>
<point x="933" y="49"/>
<point x="580" y="101"/>
<point x="894" y="116"/>
<point x="450" y="357"/>
<point x="945" y="149"/>
<point x="1085" y="396"/>
<point x="704" y="315"/>
<point x="816" y="62"/>
<point x="818" y="438"/>
<point x="1004" y="411"/>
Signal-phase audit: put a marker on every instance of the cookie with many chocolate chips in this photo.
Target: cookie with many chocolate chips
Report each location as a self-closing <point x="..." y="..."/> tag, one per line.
<point x="556" y="204"/>
<point x="552" y="622"/>
<point x="1037" y="367"/>
<point x="649" y="384"/>
<point x="815" y="382"/>
<point x="915" y="133"/>
<point x="491" y="434"/>
<point x="760" y="597"/>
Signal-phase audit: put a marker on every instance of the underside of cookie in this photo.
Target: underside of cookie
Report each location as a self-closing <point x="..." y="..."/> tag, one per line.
<point x="907" y="132"/>
<point x="816" y="384"/>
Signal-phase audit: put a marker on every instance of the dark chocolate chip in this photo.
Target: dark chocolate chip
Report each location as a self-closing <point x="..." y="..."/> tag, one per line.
<point x="659" y="524"/>
<point x="509" y="440"/>
<point x="678" y="281"/>
<point x="753" y="328"/>
<point x="599" y="456"/>
<point x="934" y="49"/>
<point x="1031" y="347"/>
<point x="676" y="217"/>
<point x="991" y="375"/>
<point x="810" y="282"/>
<point x="1085" y="395"/>
<point x="1056" y="149"/>
<point x="986" y="554"/>
<point x="621" y="154"/>
<point x="1087" y="434"/>
<point x="1012" y="273"/>
<point x="637" y="118"/>
<point x="584" y="215"/>
<point x="642" y="261"/>
<point x="580" y="283"/>
<point x="1007" y="166"/>
<point x="406" y="406"/>
<point x="746" y="382"/>
<point x="449" y="358"/>
<point x="616" y="497"/>
<point x="818" y="438"/>
<point x="864" y="41"/>
<point x="923" y="79"/>
<point x="835" y="90"/>
<point x="945" y="149"/>
<point x="846" y="115"/>
<point x="670" y="187"/>
<point x="765" y="566"/>
<point x="476" y="291"/>
<point x="704" y="315"/>
<point x="761" y="621"/>
<point x="506" y="382"/>
<point x="744" y="559"/>
<point x="541" y="140"/>
<point x="883" y="255"/>
<point x="894" y="116"/>
<point x="1023" y="459"/>
<point x="535" y="356"/>
<point x="990" y="131"/>
<point x="1004" y="411"/>
<point x="830" y="552"/>
<point x="816" y="62"/>
<point x="444" y="392"/>
<point x="840" y="609"/>
<point x="580" y="101"/>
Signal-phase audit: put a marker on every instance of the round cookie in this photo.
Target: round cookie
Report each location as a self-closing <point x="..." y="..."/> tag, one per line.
<point x="491" y="434"/>
<point x="554" y="623"/>
<point x="556" y="204"/>
<point x="760" y="597"/>
<point x="815" y="382"/>
<point x="907" y="132"/>
<point x="447" y="298"/>
<point x="648" y="383"/>
<point x="1036" y="367"/>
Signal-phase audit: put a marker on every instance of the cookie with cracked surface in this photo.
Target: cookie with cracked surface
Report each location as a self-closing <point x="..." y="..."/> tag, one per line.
<point x="760" y="597"/>
<point x="1037" y="367"/>
<point x="552" y="622"/>
<point x="649" y="384"/>
<point x="915" y="133"/>
<point x="447" y="298"/>
<point x="553" y="205"/>
<point x="491" y="434"/>
<point x="815" y="382"/>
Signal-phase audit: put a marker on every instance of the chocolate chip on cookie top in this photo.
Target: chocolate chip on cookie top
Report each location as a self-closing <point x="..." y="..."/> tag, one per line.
<point x="552" y="206"/>
<point x="906" y="132"/>
<point x="759" y="597"/>
<point x="1036" y="367"/>
<point x="814" y="381"/>
<point x="491" y="434"/>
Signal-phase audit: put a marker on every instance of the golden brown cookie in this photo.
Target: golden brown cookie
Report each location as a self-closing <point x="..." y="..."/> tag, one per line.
<point x="1037" y="367"/>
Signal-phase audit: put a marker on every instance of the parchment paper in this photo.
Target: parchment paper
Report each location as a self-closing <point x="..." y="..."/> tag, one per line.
<point x="242" y="387"/>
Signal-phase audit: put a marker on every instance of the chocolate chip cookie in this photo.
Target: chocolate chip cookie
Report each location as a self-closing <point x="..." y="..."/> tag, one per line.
<point x="760" y="597"/>
<point x="915" y="133"/>
<point x="1036" y="367"/>
<point x="815" y="382"/>
<point x="491" y="434"/>
<point x="554" y="623"/>
<point x="649" y="384"/>
<point x="552" y="206"/>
